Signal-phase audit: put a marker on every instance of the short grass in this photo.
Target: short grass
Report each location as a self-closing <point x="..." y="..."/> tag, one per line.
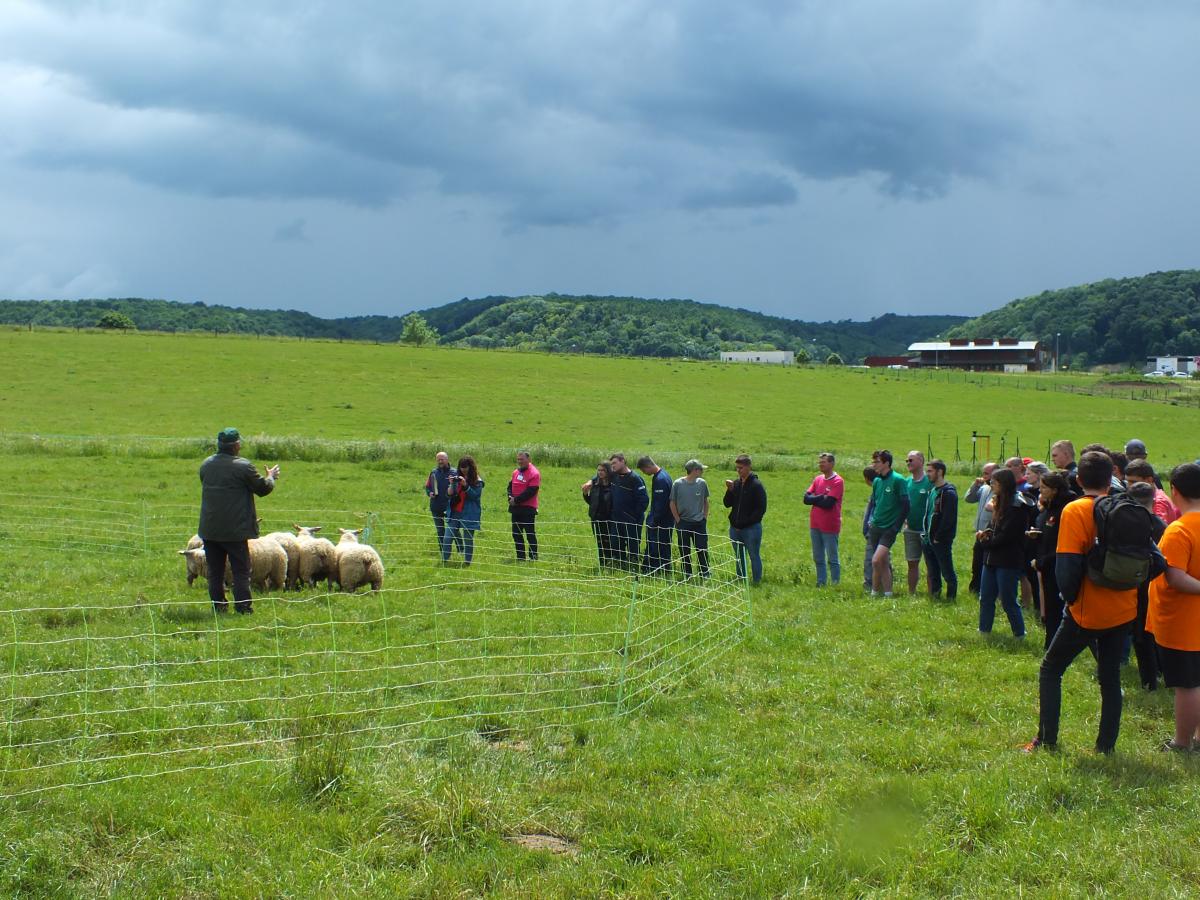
<point x="846" y="746"/>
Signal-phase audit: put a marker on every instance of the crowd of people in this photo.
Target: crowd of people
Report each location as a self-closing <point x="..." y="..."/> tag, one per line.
<point x="1107" y="555"/>
<point x="620" y="508"/>
<point x="1108" y="558"/>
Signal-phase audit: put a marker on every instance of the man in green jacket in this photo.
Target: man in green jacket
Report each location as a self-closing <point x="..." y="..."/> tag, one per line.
<point x="228" y="518"/>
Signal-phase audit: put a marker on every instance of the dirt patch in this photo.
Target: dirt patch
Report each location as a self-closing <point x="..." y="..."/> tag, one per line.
<point x="546" y="843"/>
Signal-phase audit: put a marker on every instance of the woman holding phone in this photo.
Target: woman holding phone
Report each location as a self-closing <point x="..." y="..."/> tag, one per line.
<point x="465" y="513"/>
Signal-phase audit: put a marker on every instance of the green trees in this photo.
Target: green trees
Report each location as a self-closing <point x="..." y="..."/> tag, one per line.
<point x="416" y="331"/>
<point x="116" y="320"/>
<point x="833" y="360"/>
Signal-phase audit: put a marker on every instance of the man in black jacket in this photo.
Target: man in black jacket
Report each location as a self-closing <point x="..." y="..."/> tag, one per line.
<point x="746" y="500"/>
<point x="437" y="489"/>
<point x="228" y="518"/>
<point x="940" y="529"/>
<point x="629" y="502"/>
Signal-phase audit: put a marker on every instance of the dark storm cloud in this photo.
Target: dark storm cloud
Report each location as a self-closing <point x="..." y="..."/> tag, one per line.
<point x="559" y="114"/>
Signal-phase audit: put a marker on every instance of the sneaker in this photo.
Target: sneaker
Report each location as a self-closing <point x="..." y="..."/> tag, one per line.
<point x="1169" y="746"/>
<point x="1037" y="744"/>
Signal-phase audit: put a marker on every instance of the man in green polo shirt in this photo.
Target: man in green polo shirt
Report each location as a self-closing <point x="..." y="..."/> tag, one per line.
<point x="889" y="493"/>
<point x="918" y="486"/>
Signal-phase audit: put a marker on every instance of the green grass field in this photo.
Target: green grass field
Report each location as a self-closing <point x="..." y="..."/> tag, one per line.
<point x="837" y="746"/>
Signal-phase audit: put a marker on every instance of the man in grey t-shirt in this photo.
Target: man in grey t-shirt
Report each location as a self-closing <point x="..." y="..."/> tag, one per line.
<point x="689" y="506"/>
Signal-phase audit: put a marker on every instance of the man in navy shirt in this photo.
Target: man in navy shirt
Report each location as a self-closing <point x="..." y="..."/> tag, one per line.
<point x="629" y="502"/>
<point x="659" y="522"/>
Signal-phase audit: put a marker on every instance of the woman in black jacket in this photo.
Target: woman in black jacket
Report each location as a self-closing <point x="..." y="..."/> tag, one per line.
<point x="597" y="494"/>
<point x="1055" y="493"/>
<point x="1003" y="545"/>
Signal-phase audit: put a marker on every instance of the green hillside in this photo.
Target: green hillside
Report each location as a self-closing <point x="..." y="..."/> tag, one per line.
<point x="1114" y="321"/>
<point x="626" y="326"/>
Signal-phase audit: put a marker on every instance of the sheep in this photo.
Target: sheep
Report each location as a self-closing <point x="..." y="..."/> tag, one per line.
<point x="318" y="557"/>
<point x="268" y="564"/>
<point x="197" y="565"/>
<point x="291" y="547"/>
<point x="358" y="563"/>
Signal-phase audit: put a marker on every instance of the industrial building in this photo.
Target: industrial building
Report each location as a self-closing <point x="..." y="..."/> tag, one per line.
<point x="981" y="355"/>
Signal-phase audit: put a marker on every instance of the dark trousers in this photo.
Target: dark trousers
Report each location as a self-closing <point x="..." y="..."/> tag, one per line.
<point x="602" y="530"/>
<point x="439" y="522"/>
<point x="939" y="563"/>
<point x="627" y="541"/>
<point x="1069" y="641"/>
<point x="1143" y="643"/>
<point x="693" y="534"/>
<point x="523" y="532"/>
<point x="658" y="549"/>
<point x="238" y="555"/>
<point x="978" y="552"/>
<point x="1054" y="604"/>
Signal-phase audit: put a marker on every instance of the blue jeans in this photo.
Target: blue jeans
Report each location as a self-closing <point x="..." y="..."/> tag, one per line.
<point x="748" y="541"/>
<point x="825" y="545"/>
<point x="458" y="535"/>
<point x="995" y="582"/>
<point x="693" y="534"/>
<point x="939" y="564"/>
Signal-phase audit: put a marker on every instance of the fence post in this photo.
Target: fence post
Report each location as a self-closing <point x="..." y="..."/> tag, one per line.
<point x="145" y="530"/>
<point x="625" y="649"/>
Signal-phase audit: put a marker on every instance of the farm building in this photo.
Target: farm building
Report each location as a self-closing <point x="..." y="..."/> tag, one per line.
<point x="777" y="357"/>
<point x="981" y="355"/>
<point x="1171" y="364"/>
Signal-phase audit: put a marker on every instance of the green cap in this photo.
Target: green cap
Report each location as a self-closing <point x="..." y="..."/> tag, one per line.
<point x="228" y="436"/>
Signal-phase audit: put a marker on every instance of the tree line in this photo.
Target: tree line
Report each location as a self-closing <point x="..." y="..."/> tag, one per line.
<point x="557" y="323"/>
<point x="1118" y="321"/>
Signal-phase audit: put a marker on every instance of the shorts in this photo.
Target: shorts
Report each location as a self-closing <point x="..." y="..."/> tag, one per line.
<point x="1180" y="668"/>
<point x="912" y="545"/>
<point x="881" y="537"/>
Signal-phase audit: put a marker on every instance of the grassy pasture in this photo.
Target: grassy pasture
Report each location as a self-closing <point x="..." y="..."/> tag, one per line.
<point x="845" y="746"/>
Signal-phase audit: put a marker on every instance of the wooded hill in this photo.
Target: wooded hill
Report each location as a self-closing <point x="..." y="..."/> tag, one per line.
<point x="1114" y="321"/>
<point x="614" y="325"/>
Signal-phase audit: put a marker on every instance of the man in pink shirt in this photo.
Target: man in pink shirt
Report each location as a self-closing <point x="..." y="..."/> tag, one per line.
<point x="824" y="495"/>
<point x="1140" y="470"/>
<point x="523" y="489"/>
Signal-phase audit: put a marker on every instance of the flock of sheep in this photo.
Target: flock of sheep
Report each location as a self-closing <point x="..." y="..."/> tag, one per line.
<point x="282" y="560"/>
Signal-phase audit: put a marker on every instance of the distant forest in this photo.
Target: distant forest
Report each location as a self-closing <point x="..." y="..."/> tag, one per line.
<point x="1115" y="321"/>
<point x="552" y="322"/>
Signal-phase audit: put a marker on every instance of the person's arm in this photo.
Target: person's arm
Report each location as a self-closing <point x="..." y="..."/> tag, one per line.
<point x="528" y="494"/>
<point x="705" y="506"/>
<point x="1181" y="581"/>
<point x="729" y="493"/>
<point x="1068" y="570"/>
<point x="973" y="492"/>
<point x="257" y="483"/>
<point x="675" y="512"/>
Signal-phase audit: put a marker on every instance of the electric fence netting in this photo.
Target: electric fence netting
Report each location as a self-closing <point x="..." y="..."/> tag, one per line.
<point x="128" y="673"/>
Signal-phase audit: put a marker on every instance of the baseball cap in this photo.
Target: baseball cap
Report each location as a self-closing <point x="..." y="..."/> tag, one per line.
<point x="692" y="464"/>
<point x="228" y="436"/>
<point x="1134" y="447"/>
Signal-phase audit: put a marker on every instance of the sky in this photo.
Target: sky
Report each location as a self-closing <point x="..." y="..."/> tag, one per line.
<point x="817" y="160"/>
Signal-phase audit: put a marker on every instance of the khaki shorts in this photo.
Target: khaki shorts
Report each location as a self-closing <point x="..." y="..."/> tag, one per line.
<point x="912" y="545"/>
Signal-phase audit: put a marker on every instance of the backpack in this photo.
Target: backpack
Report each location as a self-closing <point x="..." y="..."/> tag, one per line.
<point x="1120" y="556"/>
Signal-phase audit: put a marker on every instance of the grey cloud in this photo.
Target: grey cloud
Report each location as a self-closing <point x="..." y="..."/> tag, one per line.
<point x="295" y="231"/>
<point x="744" y="190"/>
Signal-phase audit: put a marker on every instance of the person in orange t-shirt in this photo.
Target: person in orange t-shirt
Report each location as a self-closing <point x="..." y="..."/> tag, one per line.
<point x="1095" y="615"/>
<point x="1174" y="613"/>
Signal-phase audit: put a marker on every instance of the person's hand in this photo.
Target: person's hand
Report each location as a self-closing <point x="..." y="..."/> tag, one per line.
<point x="273" y="472"/>
<point x="979" y="481"/>
<point x="728" y="483"/>
<point x="587" y="487"/>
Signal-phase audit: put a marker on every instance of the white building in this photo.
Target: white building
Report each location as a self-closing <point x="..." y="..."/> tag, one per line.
<point x="775" y="357"/>
<point x="1170" y="364"/>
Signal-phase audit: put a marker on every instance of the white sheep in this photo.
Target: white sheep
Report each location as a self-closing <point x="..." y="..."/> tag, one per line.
<point x="318" y="557"/>
<point x="268" y="564"/>
<point x="358" y="564"/>
<point x="197" y="565"/>
<point x="291" y="547"/>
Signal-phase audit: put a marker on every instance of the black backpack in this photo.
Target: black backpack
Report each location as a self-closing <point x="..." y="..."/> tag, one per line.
<point x="1120" y="557"/>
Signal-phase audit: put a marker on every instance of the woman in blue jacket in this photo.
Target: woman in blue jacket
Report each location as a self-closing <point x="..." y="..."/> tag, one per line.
<point x="464" y="516"/>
